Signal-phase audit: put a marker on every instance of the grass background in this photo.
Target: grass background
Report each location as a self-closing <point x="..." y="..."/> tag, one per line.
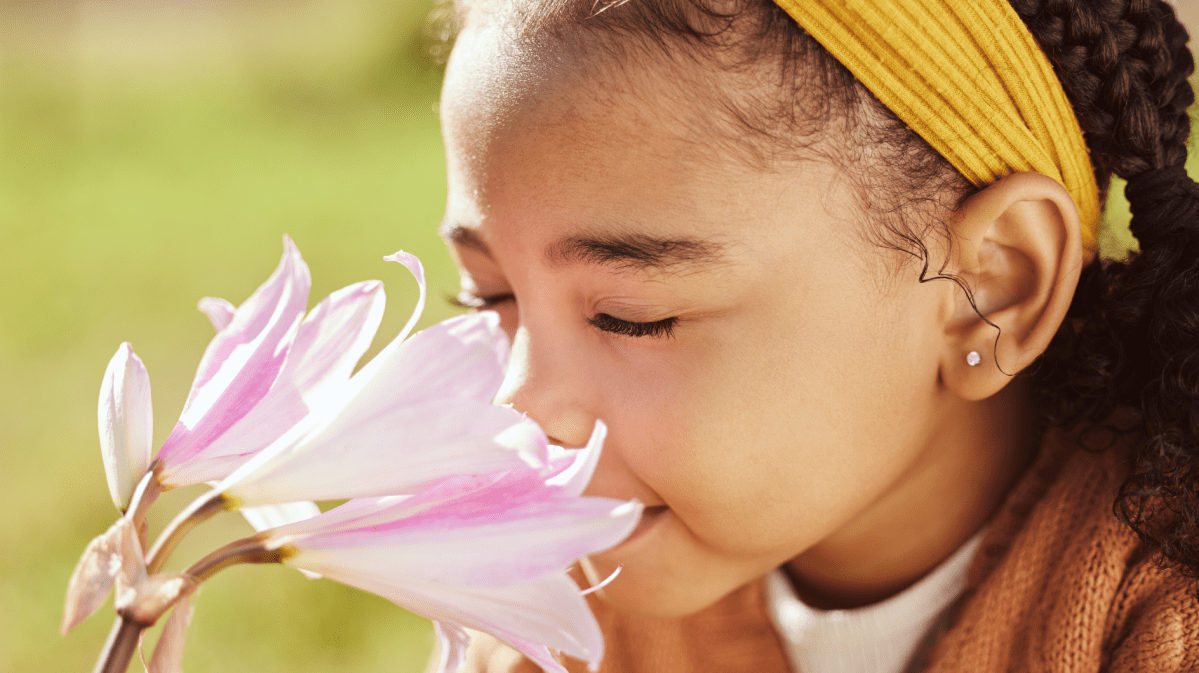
<point x="152" y="153"/>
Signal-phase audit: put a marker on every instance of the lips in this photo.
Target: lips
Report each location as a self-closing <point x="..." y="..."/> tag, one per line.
<point x="649" y="516"/>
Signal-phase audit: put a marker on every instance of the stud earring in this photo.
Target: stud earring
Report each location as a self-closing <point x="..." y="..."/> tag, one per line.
<point x="973" y="358"/>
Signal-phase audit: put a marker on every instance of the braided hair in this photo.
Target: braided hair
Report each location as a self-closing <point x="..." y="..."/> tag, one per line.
<point x="1129" y="347"/>
<point x="1130" y="341"/>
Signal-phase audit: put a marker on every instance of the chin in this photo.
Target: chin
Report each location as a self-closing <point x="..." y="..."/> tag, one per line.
<point x="665" y="572"/>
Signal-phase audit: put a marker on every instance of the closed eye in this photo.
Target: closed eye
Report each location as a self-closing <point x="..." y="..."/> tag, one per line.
<point x="477" y="303"/>
<point x="658" y="328"/>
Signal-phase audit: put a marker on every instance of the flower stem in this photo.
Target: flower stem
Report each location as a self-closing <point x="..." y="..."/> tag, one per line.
<point x="126" y="633"/>
<point x="119" y="648"/>
<point x="123" y="639"/>
<point x="200" y="510"/>
<point x="246" y="550"/>
<point x="147" y="491"/>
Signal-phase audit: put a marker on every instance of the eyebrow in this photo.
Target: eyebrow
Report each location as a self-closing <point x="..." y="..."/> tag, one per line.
<point x="456" y="234"/>
<point x="623" y="252"/>
<point x="635" y="252"/>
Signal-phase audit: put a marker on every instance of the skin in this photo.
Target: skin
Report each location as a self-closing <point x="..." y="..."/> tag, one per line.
<point x="810" y="407"/>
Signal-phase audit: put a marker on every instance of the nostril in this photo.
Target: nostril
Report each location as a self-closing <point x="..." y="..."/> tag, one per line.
<point x="558" y="442"/>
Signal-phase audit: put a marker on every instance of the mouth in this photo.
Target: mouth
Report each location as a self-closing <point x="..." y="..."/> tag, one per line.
<point x="649" y="517"/>
<point x="607" y="563"/>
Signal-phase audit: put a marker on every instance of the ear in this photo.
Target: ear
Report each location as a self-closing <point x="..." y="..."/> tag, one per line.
<point x="1018" y="246"/>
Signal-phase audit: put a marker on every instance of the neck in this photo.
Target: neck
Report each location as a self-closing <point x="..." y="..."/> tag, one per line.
<point x="969" y="464"/>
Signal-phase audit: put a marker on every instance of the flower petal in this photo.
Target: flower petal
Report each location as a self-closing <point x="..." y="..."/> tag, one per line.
<point x="112" y="557"/>
<point x="332" y="339"/>
<point x="126" y="423"/>
<point x="351" y="514"/>
<point x="452" y="641"/>
<point x="579" y="464"/>
<point x="328" y="344"/>
<point x="528" y="529"/>
<point x="242" y="361"/>
<point x="395" y="451"/>
<point x="272" y="516"/>
<point x="529" y="440"/>
<point x="362" y="513"/>
<point x="462" y="357"/>
<point x="532" y="623"/>
<point x="168" y="651"/>
<point x="470" y="541"/>
<point x="549" y="611"/>
<point x="412" y="263"/>
<point x="540" y="655"/>
<point x="219" y="311"/>
<point x="485" y="552"/>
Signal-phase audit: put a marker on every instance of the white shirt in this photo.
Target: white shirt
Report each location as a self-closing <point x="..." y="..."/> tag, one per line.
<point x="879" y="638"/>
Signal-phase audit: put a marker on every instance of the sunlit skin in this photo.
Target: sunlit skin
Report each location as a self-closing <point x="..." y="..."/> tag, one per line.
<point x="783" y="395"/>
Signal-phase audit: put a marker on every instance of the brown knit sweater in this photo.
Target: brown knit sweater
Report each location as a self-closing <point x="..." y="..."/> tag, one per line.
<point x="1059" y="585"/>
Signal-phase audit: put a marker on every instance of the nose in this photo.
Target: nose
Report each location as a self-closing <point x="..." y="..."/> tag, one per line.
<point x="544" y="380"/>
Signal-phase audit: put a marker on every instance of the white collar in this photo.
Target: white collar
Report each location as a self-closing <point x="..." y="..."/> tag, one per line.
<point x="879" y="638"/>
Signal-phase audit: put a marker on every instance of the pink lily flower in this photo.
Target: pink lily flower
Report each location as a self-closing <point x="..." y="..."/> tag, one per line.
<point x="487" y="552"/>
<point x="317" y="433"/>
<point x="274" y="378"/>
<point x="320" y="358"/>
<point x="238" y="370"/>
<point x="417" y="413"/>
<point x="262" y="373"/>
<point x="240" y="365"/>
<point x="484" y="552"/>
<point x="276" y="418"/>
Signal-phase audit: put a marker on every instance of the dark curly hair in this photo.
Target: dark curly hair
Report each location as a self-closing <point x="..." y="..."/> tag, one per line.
<point x="1130" y="341"/>
<point x="1129" y="347"/>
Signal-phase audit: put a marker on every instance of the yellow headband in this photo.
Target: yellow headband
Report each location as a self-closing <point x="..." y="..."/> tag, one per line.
<point x="970" y="79"/>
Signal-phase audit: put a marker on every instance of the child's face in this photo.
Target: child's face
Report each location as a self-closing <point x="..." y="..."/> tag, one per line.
<point x="773" y="384"/>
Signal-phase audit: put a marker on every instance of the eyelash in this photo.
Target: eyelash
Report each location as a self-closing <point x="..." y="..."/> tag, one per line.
<point x="601" y="321"/>
<point x="476" y="303"/>
<point x="658" y="328"/>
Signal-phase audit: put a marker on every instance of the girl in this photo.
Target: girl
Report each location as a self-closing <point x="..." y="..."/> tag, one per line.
<point x="828" y="271"/>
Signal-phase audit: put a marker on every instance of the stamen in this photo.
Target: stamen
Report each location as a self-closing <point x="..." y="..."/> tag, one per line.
<point x="603" y="584"/>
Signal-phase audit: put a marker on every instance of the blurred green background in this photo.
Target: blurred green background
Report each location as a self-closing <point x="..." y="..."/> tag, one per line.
<point x="152" y="153"/>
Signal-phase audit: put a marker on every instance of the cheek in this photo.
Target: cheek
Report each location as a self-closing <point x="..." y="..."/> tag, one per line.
<point x="764" y="434"/>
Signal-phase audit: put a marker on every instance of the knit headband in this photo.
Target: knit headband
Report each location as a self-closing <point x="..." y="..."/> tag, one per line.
<point x="970" y="79"/>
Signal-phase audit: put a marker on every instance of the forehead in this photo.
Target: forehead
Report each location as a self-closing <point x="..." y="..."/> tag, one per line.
<point x="532" y="129"/>
<point x="543" y="149"/>
<point x="490" y="78"/>
<point x="500" y="86"/>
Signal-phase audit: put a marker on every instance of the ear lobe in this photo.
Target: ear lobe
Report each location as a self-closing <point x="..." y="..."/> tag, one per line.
<point x="1018" y="247"/>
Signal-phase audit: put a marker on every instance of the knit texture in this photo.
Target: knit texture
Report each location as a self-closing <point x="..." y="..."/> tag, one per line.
<point x="970" y="79"/>
<point x="1058" y="586"/>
